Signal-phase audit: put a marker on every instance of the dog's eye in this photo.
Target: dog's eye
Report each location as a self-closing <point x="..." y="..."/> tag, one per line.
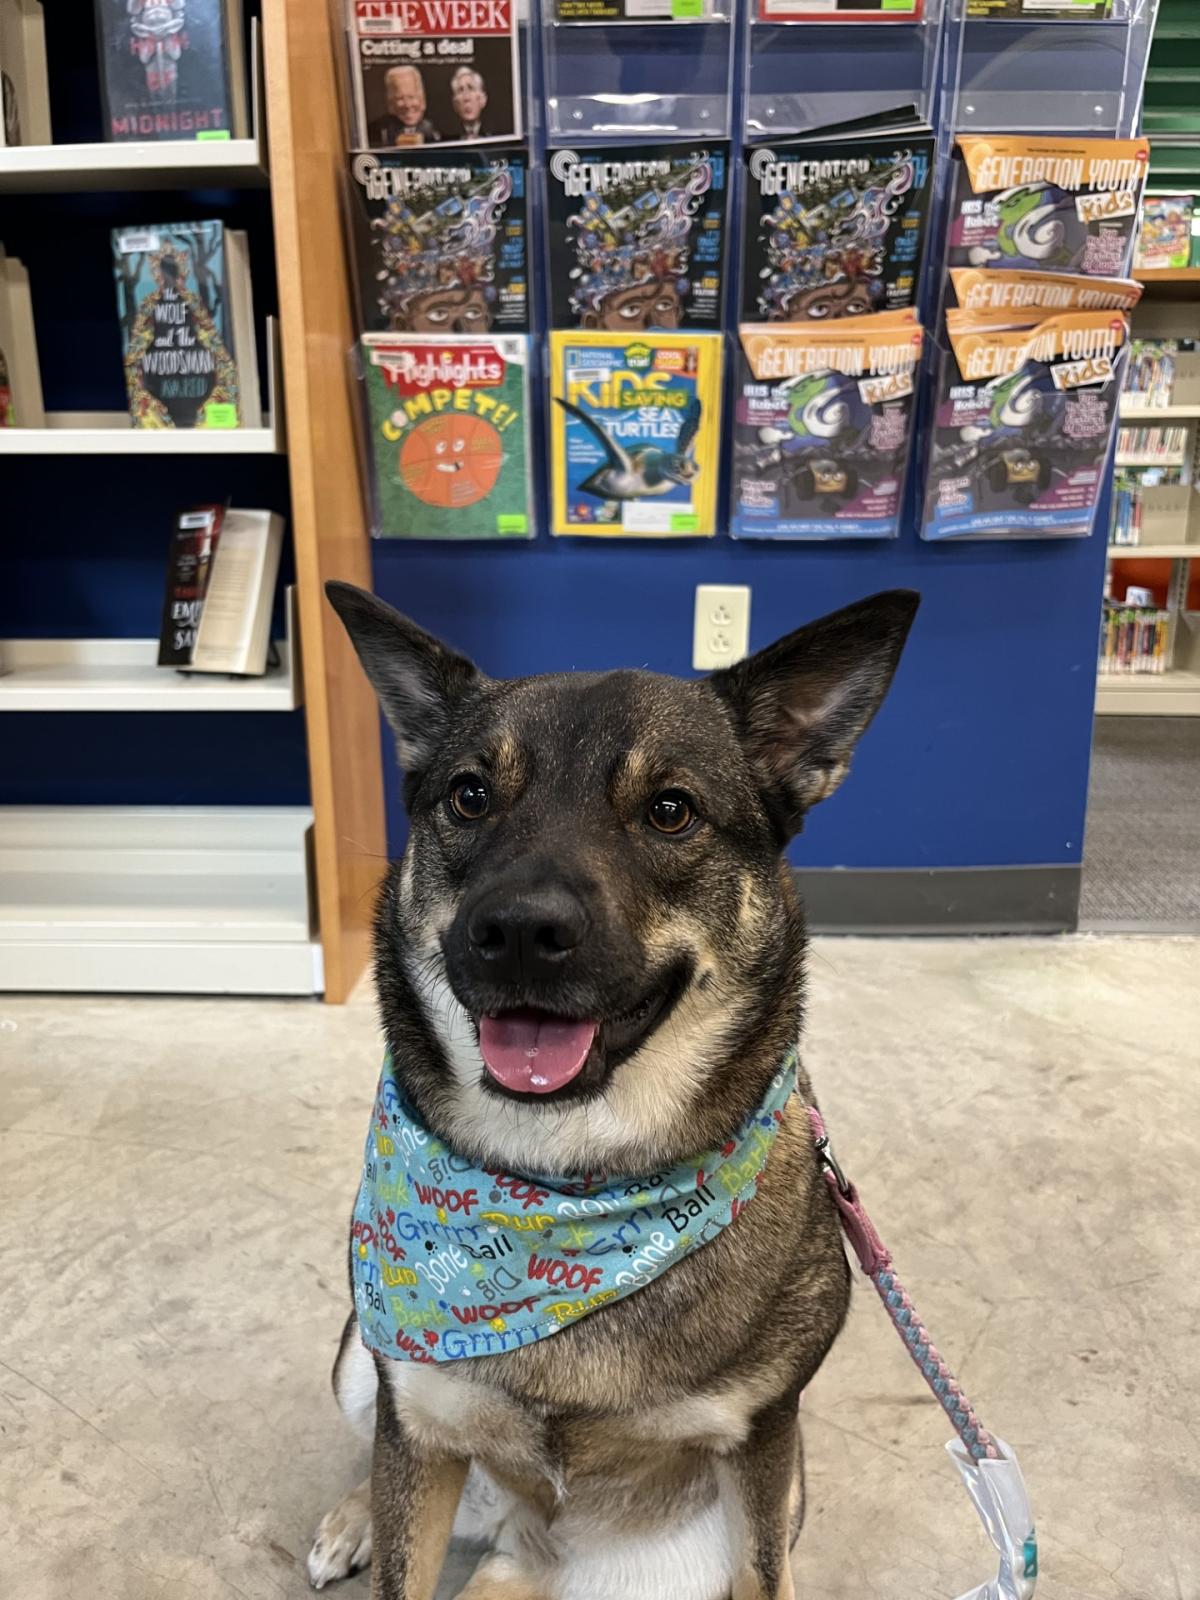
<point x="671" y="812"/>
<point x="470" y="797"/>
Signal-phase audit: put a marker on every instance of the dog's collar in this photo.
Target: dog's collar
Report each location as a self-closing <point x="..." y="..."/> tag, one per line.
<point x="451" y="1261"/>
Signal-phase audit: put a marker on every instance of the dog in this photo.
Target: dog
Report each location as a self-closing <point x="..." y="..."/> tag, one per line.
<point x="591" y="959"/>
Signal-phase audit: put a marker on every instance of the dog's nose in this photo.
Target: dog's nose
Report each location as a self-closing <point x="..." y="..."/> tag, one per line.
<point x="526" y="936"/>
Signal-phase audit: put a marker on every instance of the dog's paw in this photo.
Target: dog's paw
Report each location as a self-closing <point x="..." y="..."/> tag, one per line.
<point x="343" y="1542"/>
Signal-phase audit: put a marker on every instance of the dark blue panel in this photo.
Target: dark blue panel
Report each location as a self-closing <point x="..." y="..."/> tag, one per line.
<point x="980" y="755"/>
<point x="86" y="553"/>
<point x="153" y="758"/>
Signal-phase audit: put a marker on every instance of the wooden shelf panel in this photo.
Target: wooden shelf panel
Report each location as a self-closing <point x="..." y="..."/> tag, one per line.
<point x="123" y="675"/>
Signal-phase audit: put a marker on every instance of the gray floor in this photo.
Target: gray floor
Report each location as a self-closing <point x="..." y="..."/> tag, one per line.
<point x="1141" y="859"/>
<point x="1023" y="1117"/>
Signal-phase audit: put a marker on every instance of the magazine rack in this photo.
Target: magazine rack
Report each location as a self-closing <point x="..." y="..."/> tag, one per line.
<point x="665" y="77"/>
<point x="803" y="74"/>
<point x="1046" y="76"/>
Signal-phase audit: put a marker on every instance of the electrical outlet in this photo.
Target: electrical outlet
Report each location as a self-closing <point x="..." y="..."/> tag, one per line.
<point x="721" y="632"/>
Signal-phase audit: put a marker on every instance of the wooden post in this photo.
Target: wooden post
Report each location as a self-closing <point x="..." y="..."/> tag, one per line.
<point x="307" y="156"/>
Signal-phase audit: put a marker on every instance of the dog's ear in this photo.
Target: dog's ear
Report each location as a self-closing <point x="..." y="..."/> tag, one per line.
<point x="416" y="677"/>
<point x="800" y="705"/>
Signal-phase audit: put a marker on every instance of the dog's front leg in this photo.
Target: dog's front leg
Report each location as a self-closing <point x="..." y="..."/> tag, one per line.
<point x="415" y="1492"/>
<point x="760" y="1479"/>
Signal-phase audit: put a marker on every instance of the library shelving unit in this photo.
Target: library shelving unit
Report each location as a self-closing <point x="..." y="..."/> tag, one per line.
<point x="1170" y="513"/>
<point x="205" y="899"/>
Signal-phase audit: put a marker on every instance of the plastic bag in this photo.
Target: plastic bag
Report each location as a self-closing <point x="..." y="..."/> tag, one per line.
<point x="998" y="1492"/>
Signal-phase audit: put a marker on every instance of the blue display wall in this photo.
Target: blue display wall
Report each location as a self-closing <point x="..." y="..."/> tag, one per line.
<point x="980" y="756"/>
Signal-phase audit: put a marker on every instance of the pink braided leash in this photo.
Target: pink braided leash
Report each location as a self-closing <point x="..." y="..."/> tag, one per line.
<point x="876" y="1261"/>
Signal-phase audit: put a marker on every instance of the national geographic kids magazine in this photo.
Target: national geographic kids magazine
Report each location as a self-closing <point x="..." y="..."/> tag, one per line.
<point x="449" y="435"/>
<point x="822" y="428"/>
<point x="1047" y="204"/>
<point x="1023" y="425"/>
<point x="634" y="433"/>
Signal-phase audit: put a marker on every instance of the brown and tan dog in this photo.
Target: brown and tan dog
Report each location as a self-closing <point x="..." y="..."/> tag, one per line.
<point x="609" y="846"/>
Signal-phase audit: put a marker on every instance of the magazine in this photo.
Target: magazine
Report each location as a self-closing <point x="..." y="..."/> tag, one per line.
<point x="440" y="241"/>
<point x="840" y="10"/>
<point x="1047" y="204"/>
<point x="1023" y="426"/>
<point x="449" y="436"/>
<point x="637" y="236"/>
<point x="1029" y="296"/>
<point x="634" y="433"/>
<point x="434" y="72"/>
<point x="1042" y="10"/>
<point x="836" y="223"/>
<point x="822" y="429"/>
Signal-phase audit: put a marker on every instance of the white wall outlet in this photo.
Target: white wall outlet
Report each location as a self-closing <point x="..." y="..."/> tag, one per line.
<point x="721" y="634"/>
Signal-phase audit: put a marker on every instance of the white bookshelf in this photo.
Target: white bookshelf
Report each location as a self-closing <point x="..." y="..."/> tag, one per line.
<point x="123" y="675"/>
<point x="1155" y="414"/>
<point x="149" y="164"/>
<point x="157" y="164"/>
<point x="1154" y="552"/>
<point x="1173" y="694"/>
<point x="110" y="433"/>
<point x="157" y="900"/>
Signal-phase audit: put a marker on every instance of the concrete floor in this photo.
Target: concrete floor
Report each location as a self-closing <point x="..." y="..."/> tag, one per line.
<point x="1022" y="1116"/>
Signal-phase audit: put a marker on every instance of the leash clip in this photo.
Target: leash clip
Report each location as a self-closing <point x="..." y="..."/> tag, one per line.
<point x="829" y="1161"/>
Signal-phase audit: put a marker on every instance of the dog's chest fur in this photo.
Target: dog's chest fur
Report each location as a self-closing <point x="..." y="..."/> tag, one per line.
<point x="640" y="1397"/>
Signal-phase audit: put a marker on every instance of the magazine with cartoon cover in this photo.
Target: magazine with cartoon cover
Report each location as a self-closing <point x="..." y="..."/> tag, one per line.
<point x="434" y="72"/>
<point x="822" y="427"/>
<point x="440" y="241"/>
<point x="840" y="10"/>
<point x="637" y="236"/>
<point x="1047" y="204"/>
<point x="634" y="433"/>
<point x="835" y="225"/>
<point x="449" y="435"/>
<point x="176" y="325"/>
<point x="1030" y="296"/>
<point x="1041" y="10"/>
<point x="1023" y="425"/>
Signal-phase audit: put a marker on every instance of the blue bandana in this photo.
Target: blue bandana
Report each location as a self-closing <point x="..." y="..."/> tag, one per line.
<point x="451" y="1260"/>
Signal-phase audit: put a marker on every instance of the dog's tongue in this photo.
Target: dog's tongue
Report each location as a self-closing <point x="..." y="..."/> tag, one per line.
<point x="532" y="1052"/>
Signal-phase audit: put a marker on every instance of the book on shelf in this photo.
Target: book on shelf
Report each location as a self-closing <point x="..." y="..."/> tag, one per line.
<point x="221" y="575"/>
<point x="1134" y="638"/>
<point x="1152" y="447"/>
<point x="172" y="71"/>
<point x="194" y="541"/>
<point x="433" y="72"/>
<point x="20" y="373"/>
<point x="186" y="309"/>
<point x="1153" y="367"/>
<point x="1165" y="235"/>
<point x="23" y="79"/>
<point x="233" y="634"/>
